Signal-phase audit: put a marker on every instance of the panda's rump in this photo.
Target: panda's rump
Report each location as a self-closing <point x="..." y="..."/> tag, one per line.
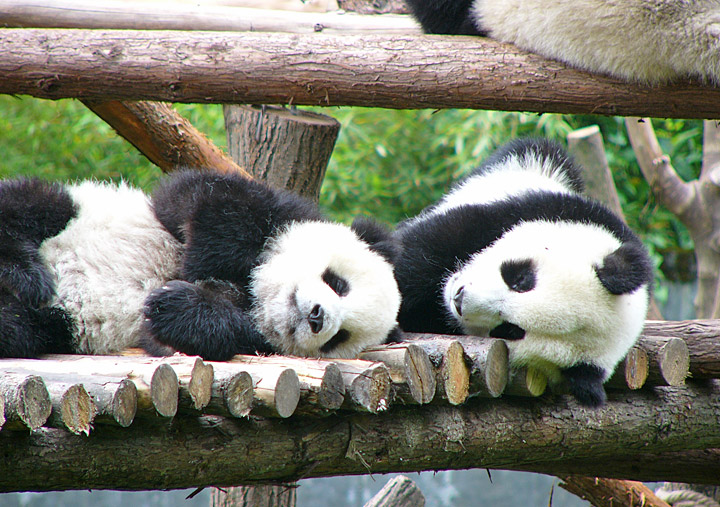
<point x="106" y="261"/>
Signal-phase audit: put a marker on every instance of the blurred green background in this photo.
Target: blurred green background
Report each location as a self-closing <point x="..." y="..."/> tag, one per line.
<point x="387" y="163"/>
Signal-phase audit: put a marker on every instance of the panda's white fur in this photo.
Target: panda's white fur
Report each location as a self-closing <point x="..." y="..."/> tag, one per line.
<point x="569" y="317"/>
<point x="105" y="263"/>
<point x="514" y="251"/>
<point x="650" y="41"/>
<point x="288" y="284"/>
<point x="213" y="265"/>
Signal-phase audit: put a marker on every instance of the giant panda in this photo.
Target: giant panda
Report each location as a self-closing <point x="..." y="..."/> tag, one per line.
<point x="262" y="271"/>
<point x="648" y="41"/>
<point x="514" y="251"/>
<point x="214" y="265"/>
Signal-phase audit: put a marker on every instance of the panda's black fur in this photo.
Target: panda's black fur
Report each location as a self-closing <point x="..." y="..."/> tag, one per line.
<point x="95" y="268"/>
<point x="453" y="237"/>
<point x="650" y="41"/>
<point x="225" y="223"/>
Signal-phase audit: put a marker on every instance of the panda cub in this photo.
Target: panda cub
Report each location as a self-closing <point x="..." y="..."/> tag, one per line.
<point x="649" y="41"/>
<point x="214" y="265"/>
<point x="76" y="264"/>
<point x="263" y="271"/>
<point x="515" y="252"/>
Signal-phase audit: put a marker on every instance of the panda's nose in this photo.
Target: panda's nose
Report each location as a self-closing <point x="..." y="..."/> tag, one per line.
<point x="315" y="319"/>
<point x="457" y="300"/>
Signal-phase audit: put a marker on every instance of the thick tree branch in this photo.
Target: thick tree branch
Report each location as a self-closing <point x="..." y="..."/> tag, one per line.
<point x="382" y="71"/>
<point x="483" y="433"/>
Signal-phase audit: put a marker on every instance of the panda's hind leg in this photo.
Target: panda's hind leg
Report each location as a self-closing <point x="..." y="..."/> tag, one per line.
<point x="30" y="332"/>
<point x="585" y="382"/>
<point x="203" y="318"/>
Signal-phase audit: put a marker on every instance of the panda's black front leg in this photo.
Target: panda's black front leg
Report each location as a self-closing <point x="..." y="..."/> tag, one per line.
<point x="23" y="273"/>
<point x="585" y="382"/>
<point x="201" y="318"/>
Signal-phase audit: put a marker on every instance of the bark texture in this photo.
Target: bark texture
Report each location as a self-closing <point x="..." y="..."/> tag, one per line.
<point x="380" y="71"/>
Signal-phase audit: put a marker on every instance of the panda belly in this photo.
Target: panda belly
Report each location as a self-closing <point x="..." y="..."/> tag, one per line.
<point x="105" y="263"/>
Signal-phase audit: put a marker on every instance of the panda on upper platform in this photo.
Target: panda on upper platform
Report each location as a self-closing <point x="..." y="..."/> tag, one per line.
<point x="214" y="265"/>
<point x="648" y="41"/>
<point x="515" y="252"/>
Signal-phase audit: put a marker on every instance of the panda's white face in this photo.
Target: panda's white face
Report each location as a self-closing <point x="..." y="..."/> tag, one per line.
<point x="538" y="282"/>
<point x="320" y="291"/>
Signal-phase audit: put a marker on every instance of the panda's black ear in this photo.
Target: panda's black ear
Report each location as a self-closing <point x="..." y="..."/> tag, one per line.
<point x="626" y="269"/>
<point x="378" y="236"/>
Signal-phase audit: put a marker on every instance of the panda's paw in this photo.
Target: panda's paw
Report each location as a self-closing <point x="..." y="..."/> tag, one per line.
<point x="585" y="382"/>
<point x="166" y="310"/>
<point x="33" y="285"/>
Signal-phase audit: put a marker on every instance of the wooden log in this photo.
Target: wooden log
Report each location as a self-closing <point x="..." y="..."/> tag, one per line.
<point x="499" y="433"/>
<point x="195" y="379"/>
<point x="232" y="393"/>
<point x="287" y="148"/>
<point x="489" y="371"/>
<point x="611" y="492"/>
<point x="163" y="135"/>
<point x="526" y="381"/>
<point x="27" y="401"/>
<point x="355" y="70"/>
<point x="116" y="400"/>
<point x="668" y="360"/>
<point x="632" y="371"/>
<point x="410" y="368"/>
<point x="702" y="338"/>
<point x="321" y="382"/>
<point x="276" y="387"/>
<point x="156" y="383"/>
<point x="159" y="15"/>
<point x="257" y="496"/>
<point x="399" y="491"/>
<point x="368" y="386"/>
<point x="73" y="408"/>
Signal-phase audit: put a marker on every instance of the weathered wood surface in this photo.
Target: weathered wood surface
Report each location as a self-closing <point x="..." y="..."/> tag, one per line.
<point x="286" y="148"/>
<point x="163" y="135"/>
<point x="159" y="15"/>
<point x="380" y="71"/>
<point x="611" y="493"/>
<point x="500" y="433"/>
<point x="399" y="491"/>
<point x="703" y="341"/>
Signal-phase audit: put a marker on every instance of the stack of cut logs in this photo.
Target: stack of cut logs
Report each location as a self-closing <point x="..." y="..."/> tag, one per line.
<point x="75" y="392"/>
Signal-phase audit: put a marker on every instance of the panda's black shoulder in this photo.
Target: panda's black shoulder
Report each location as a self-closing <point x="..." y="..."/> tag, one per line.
<point x="34" y="209"/>
<point x="451" y="17"/>
<point x="544" y="150"/>
<point x="203" y="195"/>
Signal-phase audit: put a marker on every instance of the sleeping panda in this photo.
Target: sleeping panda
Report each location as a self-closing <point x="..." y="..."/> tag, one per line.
<point x="214" y="265"/>
<point x="648" y="41"/>
<point x="515" y="252"/>
<point x="262" y="271"/>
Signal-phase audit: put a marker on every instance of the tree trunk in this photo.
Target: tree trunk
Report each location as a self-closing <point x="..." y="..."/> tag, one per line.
<point x="395" y="72"/>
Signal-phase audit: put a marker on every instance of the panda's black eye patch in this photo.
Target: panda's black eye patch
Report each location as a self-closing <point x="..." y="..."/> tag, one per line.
<point x="519" y="275"/>
<point x="338" y="284"/>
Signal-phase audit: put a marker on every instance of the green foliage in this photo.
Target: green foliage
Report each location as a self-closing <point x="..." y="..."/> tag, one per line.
<point x="64" y="140"/>
<point x="387" y="163"/>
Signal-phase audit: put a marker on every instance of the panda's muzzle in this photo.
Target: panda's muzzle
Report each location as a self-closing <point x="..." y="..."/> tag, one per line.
<point x="316" y="319"/>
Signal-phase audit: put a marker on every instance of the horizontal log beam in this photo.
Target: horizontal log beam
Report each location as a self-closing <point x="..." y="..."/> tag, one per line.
<point x="499" y="433"/>
<point x="401" y="72"/>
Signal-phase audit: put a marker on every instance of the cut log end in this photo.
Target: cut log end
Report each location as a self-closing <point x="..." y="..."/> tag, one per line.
<point x="164" y="390"/>
<point x="332" y="388"/>
<point x="455" y="374"/>
<point x="674" y="362"/>
<point x="124" y="403"/>
<point x="77" y="410"/>
<point x="420" y="374"/>
<point x="30" y="403"/>
<point x="526" y="381"/>
<point x="238" y="394"/>
<point x="287" y="393"/>
<point x="200" y="386"/>
<point x="632" y="372"/>
<point x="495" y="366"/>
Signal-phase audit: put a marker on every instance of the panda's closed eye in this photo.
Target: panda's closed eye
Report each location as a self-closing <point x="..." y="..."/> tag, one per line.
<point x="338" y="284"/>
<point x="519" y="275"/>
